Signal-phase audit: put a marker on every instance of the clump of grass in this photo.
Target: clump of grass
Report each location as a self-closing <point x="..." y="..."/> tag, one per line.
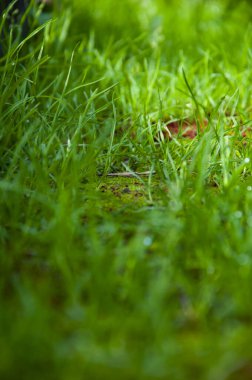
<point x="95" y="281"/>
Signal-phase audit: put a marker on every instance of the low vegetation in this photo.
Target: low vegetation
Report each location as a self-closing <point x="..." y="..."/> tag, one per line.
<point x="126" y="192"/>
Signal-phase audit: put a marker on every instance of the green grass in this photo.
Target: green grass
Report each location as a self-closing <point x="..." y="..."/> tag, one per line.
<point x="127" y="278"/>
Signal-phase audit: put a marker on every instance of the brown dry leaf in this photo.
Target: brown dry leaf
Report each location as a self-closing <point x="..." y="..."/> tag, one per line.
<point x="187" y="128"/>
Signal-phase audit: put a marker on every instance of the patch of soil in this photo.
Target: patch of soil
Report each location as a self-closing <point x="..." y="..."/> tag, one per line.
<point x="185" y="128"/>
<point x="188" y="128"/>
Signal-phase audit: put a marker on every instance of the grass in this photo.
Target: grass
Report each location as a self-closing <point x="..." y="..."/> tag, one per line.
<point x="130" y="278"/>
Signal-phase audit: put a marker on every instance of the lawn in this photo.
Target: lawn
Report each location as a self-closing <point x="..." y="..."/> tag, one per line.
<point x="126" y="192"/>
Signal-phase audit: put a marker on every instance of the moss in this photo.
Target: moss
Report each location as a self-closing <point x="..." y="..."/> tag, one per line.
<point x="120" y="192"/>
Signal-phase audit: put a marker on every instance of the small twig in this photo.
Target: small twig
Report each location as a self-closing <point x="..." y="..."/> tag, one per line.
<point x="128" y="174"/>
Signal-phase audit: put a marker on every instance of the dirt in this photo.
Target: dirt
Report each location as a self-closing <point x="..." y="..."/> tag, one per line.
<point x="189" y="128"/>
<point x="185" y="128"/>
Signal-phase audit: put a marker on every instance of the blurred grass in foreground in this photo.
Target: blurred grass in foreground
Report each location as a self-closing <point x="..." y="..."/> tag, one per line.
<point x="151" y="282"/>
